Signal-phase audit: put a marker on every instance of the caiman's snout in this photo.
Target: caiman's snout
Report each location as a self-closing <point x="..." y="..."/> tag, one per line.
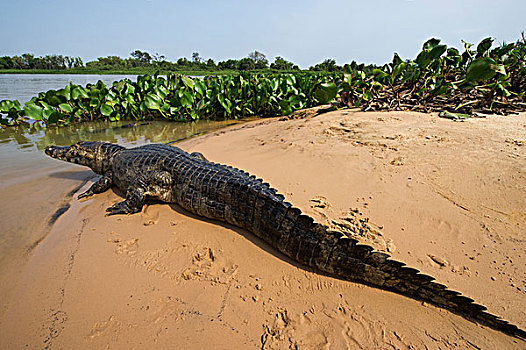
<point x="57" y="152"/>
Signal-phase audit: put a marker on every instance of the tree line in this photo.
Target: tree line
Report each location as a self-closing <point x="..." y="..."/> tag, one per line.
<point x="29" y="61"/>
<point x="142" y="59"/>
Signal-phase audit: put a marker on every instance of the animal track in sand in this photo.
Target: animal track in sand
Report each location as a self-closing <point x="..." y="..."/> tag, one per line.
<point x="104" y="327"/>
<point x="293" y="333"/>
<point x="210" y="265"/>
<point x="355" y="225"/>
<point x="360" y="331"/>
<point x="150" y="215"/>
<point x="336" y="327"/>
<point x="351" y="223"/>
<point x="128" y="247"/>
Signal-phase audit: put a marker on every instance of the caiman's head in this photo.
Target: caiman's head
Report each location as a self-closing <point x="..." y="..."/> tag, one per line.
<point x="96" y="155"/>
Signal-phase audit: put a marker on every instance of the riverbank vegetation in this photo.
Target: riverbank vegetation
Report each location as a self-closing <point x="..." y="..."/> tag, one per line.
<point x="481" y="79"/>
<point x="141" y="62"/>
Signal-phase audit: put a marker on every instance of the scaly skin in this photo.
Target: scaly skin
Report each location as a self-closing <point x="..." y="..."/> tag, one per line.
<point x="224" y="193"/>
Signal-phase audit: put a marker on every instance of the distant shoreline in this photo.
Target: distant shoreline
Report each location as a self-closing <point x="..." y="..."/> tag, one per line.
<point x="125" y="72"/>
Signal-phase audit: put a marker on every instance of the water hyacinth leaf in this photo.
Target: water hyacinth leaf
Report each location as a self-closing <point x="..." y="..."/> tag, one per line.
<point x="94" y="102"/>
<point x="378" y="73"/>
<point x="326" y="92"/>
<point x="7" y="105"/>
<point x="188" y="82"/>
<point x="483" y="68"/>
<point x="165" y="107"/>
<point x="225" y="103"/>
<point x="431" y="43"/>
<point x="33" y="111"/>
<point x="367" y="95"/>
<point x="162" y="91"/>
<point x="396" y="59"/>
<point x="200" y="87"/>
<point x="187" y="100"/>
<point x="64" y="107"/>
<point x="152" y="101"/>
<point x="397" y="70"/>
<point x="484" y="45"/>
<point x="437" y="51"/>
<point x="106" y="109"/>
<point x="54" y="117"/>
<point x="46" y="113"/>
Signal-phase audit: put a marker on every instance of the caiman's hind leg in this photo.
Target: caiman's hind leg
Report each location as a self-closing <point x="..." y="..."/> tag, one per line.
<point x="102" y="185"/>
<point x="153" y="184"/>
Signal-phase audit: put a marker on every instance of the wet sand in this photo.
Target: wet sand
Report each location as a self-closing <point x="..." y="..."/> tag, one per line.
<point x="446" y="198"/>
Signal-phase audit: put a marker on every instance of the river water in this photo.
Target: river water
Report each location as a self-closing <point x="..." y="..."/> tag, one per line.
<point x="33" y="186"/>
<point x="23" y="87"/>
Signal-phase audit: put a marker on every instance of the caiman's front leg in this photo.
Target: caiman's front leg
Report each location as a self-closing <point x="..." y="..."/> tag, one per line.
<point x="153" y="184"/>
<point x="102" y="185"/>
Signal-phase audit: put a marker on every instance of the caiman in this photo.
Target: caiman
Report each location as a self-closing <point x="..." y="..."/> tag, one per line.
<point x="220" y="192"/>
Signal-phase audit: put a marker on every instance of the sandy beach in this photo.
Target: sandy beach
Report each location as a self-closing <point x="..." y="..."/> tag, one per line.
<point x="447" y="198"/>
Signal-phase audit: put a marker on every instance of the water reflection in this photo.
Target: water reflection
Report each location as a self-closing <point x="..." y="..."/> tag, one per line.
<point x="21" y="148"/>
<point x="127" y="133"/>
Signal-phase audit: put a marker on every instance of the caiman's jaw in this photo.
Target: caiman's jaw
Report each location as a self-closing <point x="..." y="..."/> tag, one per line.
<point x="92" y="154"/>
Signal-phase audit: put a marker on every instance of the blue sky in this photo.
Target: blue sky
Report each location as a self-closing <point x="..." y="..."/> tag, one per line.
<point x="305" y="32"/>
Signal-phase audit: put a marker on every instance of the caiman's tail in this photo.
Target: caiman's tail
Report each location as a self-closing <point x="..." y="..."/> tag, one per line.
<point x="313" y="244"/>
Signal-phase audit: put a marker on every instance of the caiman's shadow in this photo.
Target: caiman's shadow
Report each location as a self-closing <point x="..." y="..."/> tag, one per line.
<point x="73" y="175"/>
<point x="240" y="231"/>
<point x="260" y="243"/>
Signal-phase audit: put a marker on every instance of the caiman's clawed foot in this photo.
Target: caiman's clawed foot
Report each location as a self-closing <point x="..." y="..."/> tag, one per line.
<point x="121" y="208"/>
<point x="88" y="193"/>
<point x="102" y="184"/>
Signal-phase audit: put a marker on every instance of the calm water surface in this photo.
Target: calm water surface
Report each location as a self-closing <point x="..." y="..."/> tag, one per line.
<point x="33" y="186"/>
<point x="23" y="87"/>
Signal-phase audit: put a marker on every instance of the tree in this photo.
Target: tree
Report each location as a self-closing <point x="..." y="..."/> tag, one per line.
<point x="196" y="58"/>
<point x="6" y="62"/>
<point x="210" y="64"/>
<point x="259" y="59"/>
<point x="229" y="64"/>
<point x="246" y="63"/>
<point x="143" y="57"/>
<point x="329" y="65"/>
<point x="282" y="64"/>
<point x="158" y="58"/>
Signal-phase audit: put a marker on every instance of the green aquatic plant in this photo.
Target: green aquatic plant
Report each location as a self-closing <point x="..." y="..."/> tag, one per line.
<point x="176" y="97"/>
<point x="440" y="78"/>
<point x="484" y="80"/>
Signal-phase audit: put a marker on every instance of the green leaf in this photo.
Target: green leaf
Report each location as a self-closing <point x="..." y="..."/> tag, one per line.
<point x="153" y="101"/>
<point x="54" y="117"/>
<point x="225" y="103"/>
<point x="453" y="116"/>
<point x="378" y="73"/>
<point x="33" y="111"/>
<point x="200" y="87"/>
<point x="437" y="51"/>
<point x="326" y="92"/>
<point x="483" y="68"/>
<point x="397" y="70"/>
<point x="187" y="100"/>
<point x="106" y="109"/>
<point x="484" y="45"/>
<point x="188" y="82"/>
<point x="65" y="107"/>
<point x="7" y="105"/>
<point x="94" y="103"/>
<point x="396" y="59"/>
<point x="431" y="43"/>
